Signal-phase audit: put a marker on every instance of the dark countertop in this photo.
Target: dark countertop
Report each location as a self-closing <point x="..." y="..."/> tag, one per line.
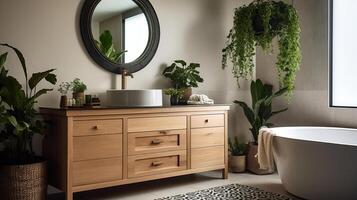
<point x="111" y="107"/>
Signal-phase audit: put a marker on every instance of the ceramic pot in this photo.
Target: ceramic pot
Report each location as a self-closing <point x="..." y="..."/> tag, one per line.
<point x="79" y="97"/>
<point x="252" y="161"/>
<point x="174" y="100"/>
<point x="237" y="163"/>
<point x="64" y="101"/>
<point x="187" y="95"/>
<point x="24" y="182"/>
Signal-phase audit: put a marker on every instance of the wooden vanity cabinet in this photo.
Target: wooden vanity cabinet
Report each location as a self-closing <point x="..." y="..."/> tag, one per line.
<point x="102" y="147"/>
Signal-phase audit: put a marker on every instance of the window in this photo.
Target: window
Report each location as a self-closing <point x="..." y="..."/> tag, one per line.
<point x="136" y="36"/>
<point x="343" y="53"/>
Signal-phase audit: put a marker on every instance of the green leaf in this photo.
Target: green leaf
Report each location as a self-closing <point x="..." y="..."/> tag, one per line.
<point x="247" y="111"/>
<point x="39" y="93"/>
<point x="106" y="40"/>
<point x="51" y="78"/>
<point x="38" y="77"/>
<point x="20" y="56"/>
<point x="183" y="63"/>
<point x="3" y="58"/>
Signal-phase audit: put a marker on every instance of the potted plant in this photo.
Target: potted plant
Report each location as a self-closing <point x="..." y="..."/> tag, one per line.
<point x="106" y="47"/>
<point x="183" y="77"/>
<point x="23" y="175"/>
<point x="237" y="155"/>
<point x="257" y="24"/>
<point x="78" y="88"/>
<point x="175" y="95"/>
<point x="63" y="88"/>
<point x="258" y="116"/>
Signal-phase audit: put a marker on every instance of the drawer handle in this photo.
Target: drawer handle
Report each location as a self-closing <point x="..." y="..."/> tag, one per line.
<point x="163" y="132"/>
<point x="156" y="142"/>
<point x="156" y="164"/>
<point x="206" y="121"/>
<point x="96" y="127"/>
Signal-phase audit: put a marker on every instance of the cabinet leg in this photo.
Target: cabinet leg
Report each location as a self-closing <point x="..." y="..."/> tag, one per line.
<point x="225" y="173"/>
<point x="69" y="196"/>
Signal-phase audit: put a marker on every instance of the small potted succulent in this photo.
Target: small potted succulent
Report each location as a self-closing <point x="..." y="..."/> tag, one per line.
<point x="175" y="95"/>
<point x="63" y="88"/>
<point x="78" y="88"/>
<point x="183" y="77"/>
<point x="258" y="116"/>
<point x="237" y="158"/>
<point x="23" y="174"/>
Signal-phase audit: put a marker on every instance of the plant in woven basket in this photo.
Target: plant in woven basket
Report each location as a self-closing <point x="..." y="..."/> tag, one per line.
<point x="18" y="117"/>
<point x="257" y="24"/>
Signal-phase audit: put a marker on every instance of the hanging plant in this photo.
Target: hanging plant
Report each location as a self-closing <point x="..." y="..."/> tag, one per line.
<point x="257" y="24"/>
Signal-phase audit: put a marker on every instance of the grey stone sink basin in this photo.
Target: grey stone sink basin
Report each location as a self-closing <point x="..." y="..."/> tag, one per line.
<point x="134" y="98"/>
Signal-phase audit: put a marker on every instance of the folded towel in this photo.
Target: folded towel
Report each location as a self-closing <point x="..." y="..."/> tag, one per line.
<point x="265" y="149"/>
<point x="199" y="99"/>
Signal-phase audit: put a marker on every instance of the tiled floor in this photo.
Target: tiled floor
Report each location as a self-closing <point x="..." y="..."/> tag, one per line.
<point x="180" y="185"/>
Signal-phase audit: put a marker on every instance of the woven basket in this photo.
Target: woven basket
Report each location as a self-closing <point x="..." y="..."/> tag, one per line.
<point x="23" y="182"/>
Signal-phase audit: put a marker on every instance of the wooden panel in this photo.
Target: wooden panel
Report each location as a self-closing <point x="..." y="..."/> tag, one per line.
<point x="206" y="137"/>
<point x="208" y="156"/>
<point x="202" y="121"/>
<point x="156" y="123"/>
<point x="97" y="147"/>
<point x="152" y="164"/>
<point x="98" y="127"/>
<point x="154" y="142"/>
<point x="97" y="171"/>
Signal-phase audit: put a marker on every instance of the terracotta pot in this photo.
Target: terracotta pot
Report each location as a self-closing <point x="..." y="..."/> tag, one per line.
<point x="252" y="161"/>
<point x="79" y="97"/>
<point x="237" y="163"/>
<point x="23" y="182"/>
<point x="187" y="94"/>
<point x="64" y="101"/>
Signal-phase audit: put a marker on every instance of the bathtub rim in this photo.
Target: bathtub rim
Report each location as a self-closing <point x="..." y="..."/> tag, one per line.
<point x="315" y="127"/>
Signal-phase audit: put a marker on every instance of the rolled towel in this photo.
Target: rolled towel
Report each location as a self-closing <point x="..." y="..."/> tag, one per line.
<point x="199" y="99"/>
<point x="265" y="149"/>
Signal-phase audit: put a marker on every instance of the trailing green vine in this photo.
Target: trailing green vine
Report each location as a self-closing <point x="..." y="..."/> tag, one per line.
<point x="257" y="24"/>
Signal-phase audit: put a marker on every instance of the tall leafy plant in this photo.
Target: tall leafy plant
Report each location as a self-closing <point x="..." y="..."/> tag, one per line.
<point x="257" y="24"/>
<point x="18" y="117"/>
<point x="261" y="110"/>
<point x="183" y="75"/>
<point x="106" y="46"/>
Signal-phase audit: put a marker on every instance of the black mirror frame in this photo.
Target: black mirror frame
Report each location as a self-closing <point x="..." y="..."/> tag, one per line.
<point x="141" y="62"/>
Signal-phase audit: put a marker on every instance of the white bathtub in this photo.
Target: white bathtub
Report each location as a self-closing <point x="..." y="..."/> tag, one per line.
<point x="317" y="162"/>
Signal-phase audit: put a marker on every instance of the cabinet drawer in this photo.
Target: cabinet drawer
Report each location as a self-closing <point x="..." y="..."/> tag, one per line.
<point x="154" y="142"/>
<point x="206" y="137"/>
<point x="97" y="127"/>
<point x="153" y="164"/>
<point x="156" y="123"/>
<point x="97" y="147"/>
<point x="206" y="157"/>
<point x="201" y="121"/>
<point x="97" y="171"/>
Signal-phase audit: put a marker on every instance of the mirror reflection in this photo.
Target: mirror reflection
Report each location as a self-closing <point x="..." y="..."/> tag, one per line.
<point x="120" y="30"/>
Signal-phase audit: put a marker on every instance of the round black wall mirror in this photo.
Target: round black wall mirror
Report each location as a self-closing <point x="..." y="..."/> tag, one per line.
<point x="120" y="34"/>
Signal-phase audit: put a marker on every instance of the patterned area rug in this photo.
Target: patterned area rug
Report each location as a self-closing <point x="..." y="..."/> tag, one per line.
<point x="229" y="192"/>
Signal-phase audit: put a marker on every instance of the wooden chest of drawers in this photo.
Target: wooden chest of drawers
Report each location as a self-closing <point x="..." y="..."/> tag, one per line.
<point x="96" y="148"/>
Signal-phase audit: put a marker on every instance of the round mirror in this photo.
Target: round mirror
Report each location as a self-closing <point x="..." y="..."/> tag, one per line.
<point x="120" y="34"/>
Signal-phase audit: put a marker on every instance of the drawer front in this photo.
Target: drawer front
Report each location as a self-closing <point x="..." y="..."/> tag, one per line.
<point x="156" y="123"/>
<point x="97" y="171"/>
<point x="206" y="137"/>
<point x="97" y="147"/>
<point x="154" y="142"/>
<point x="206" y="157"/>
<point x="97" y="127"/>
<point x="202" y="121"/>
<point x="153" y="164"/>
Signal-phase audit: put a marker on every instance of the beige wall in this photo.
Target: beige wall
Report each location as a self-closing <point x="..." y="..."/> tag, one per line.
<point x="310" y="102"/>
<point x="47" y="31"/>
